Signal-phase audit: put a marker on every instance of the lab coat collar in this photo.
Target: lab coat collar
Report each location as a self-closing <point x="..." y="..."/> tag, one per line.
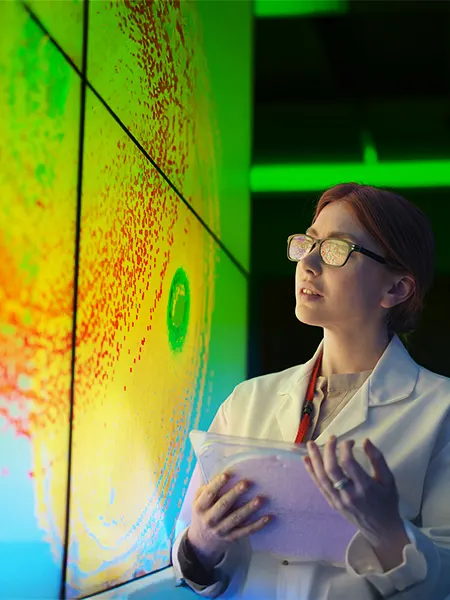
<point x="393" y="378"/>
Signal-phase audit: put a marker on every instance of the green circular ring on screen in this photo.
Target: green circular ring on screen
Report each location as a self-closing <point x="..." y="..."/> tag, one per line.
<point x="178" y="310"/>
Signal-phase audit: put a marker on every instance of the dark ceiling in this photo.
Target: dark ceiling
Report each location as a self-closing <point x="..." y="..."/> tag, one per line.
<point x="322" y="81"/>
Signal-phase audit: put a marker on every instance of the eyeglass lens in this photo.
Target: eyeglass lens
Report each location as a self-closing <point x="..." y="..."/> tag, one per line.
<point x="333" y="252"/>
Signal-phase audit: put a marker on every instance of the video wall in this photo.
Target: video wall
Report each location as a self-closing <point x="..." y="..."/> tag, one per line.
<point x="124" y="245"/>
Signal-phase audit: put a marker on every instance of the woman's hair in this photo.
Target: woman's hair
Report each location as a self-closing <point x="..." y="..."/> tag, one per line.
<point x="405" y="235"/>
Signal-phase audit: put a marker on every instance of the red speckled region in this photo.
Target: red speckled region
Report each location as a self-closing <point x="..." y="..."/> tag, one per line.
<point x="168" y="75"/>
<point x="161" y="91"/>
<point x="158" y="55"/>
<point x="119" y="262"/>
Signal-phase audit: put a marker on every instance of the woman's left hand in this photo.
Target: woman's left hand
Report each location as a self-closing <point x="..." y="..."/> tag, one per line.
<point x="370" y="503"/>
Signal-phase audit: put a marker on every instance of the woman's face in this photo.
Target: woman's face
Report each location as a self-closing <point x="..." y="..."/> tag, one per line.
<point x="350" y="295"/>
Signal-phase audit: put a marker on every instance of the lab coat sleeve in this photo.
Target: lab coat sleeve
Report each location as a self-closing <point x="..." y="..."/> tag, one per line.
<point x="231" y="570"/>
<point x="425" y="570"/>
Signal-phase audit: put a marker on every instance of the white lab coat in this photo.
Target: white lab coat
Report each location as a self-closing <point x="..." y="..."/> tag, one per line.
<point x="404" y="409"/>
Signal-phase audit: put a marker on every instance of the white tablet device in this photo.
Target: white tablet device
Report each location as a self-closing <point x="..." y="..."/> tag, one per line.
<point x="304" y="525"/>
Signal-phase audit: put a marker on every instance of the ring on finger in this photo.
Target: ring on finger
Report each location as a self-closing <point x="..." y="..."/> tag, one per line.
<point x="342" y="483"/>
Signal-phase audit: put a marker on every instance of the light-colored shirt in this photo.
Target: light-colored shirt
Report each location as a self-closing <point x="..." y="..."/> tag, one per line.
<point x="331" y="395"/>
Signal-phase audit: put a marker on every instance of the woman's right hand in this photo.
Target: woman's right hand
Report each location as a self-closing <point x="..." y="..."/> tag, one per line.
<point x="213" y="526"/>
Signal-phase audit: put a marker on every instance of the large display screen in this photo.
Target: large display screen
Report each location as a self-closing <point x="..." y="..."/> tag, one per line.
<point x="124" y="229"/>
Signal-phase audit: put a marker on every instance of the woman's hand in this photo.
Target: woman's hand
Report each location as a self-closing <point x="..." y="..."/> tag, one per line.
<point x="214" y="523"/>
<point x="370" y="503"/>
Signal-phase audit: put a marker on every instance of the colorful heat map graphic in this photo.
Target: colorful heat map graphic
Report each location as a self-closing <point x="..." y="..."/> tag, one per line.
<point x="161" y="309"/>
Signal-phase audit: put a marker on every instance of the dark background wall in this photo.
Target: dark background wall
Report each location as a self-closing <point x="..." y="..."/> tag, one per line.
<point x="323" y="83"/>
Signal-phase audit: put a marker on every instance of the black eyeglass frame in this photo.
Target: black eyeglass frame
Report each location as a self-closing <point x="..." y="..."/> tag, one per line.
<point x="351" y="248"/>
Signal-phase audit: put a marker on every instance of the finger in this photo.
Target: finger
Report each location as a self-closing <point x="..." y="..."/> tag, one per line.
<point x="309" y="468"/>
<point x="319" y="469"/>
<point x="322" y="480"/>
<point x="209" y="492"/>
<point x="226" y="501"/>
<point x="198" y="492"/>
<point x="330" y="461"/>
<point x="382" y="472"/>
<point x="238" y="516"/>
<point x="248" y="529"/>
<point x="361" y="480"/>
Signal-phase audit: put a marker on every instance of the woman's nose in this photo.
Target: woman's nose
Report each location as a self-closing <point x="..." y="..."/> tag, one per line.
<point x="311" y="263"/>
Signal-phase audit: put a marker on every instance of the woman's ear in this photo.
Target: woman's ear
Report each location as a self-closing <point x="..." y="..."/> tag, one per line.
<point x="402" y="289"/>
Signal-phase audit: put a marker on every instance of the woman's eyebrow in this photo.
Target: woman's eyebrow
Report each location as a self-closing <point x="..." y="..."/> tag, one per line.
<point x="335" y="234"/>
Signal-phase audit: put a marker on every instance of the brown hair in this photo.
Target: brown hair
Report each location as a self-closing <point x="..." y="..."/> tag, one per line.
<point x="403" y="232"/>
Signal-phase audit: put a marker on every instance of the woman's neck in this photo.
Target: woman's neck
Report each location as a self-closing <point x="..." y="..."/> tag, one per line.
<point x="352" y="353"/>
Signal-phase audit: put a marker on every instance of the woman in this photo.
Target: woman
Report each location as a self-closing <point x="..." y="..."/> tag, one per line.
<point x="363" y="269"/>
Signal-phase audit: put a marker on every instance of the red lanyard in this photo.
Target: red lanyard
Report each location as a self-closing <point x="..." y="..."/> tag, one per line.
<point x="308" y="405"/>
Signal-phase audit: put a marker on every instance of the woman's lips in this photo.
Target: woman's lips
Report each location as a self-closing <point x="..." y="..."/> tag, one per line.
<point x="307" y="290"/>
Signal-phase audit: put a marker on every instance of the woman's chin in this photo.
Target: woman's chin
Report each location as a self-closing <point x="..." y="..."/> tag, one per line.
<point x="307" y="317"/>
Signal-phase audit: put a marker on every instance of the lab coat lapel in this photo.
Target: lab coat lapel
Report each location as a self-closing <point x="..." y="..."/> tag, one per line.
<point x="394" y="378"/>
<point x="291" y="396"/>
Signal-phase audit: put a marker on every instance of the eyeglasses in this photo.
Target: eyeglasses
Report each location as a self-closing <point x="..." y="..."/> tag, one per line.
<point x="332" y="251"/>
